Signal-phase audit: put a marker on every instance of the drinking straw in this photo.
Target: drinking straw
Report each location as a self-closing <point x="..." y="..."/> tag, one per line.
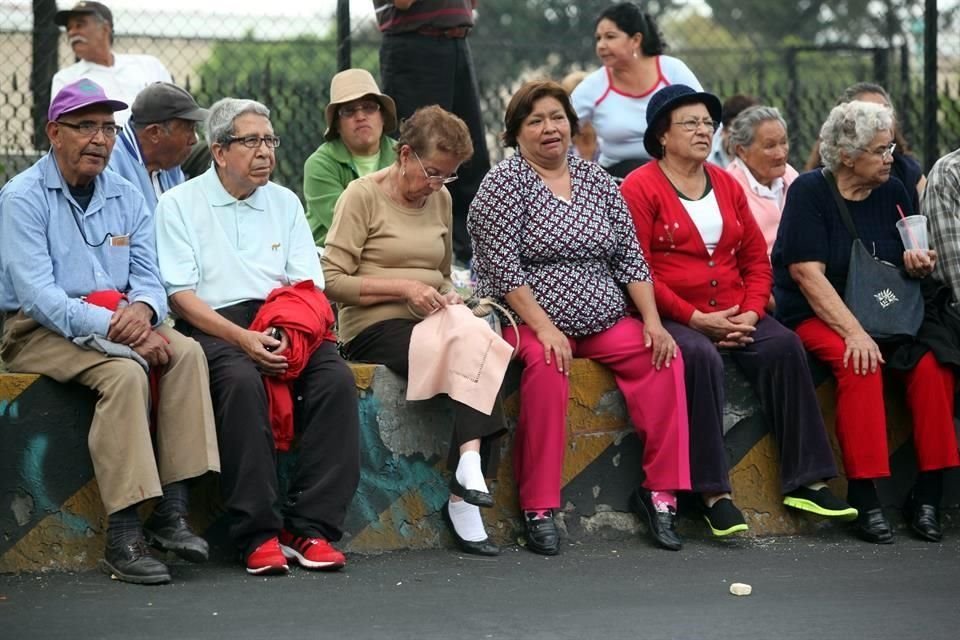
<point x="909" y="230"/>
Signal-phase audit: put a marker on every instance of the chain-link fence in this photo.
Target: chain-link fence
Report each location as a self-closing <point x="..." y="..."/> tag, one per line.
<point x="796" y="56"/>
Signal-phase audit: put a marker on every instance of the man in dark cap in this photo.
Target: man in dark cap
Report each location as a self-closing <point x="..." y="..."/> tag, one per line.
<point x="89" y="28"/>
<point x="82" y="302"/>
<point x="157" y="139"/>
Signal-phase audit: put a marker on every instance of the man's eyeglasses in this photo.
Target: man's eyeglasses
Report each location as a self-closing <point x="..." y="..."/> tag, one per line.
<point x="91" y="128"/>
<point x="366" y="108"/>
<point x="435" y="179"/>
<point x="253" y="142"/>
<point x="885" y="153"/>
<point x="692" y="124"/>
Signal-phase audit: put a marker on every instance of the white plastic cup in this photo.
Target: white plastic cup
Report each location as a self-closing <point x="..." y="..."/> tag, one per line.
<point x="913" y="232"/>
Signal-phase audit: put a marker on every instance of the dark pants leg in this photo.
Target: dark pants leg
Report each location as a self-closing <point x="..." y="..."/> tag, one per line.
<point x="418" y="70"/>
<point x="388" y="343"/>
<point x="703" y="376"/>
<point x="776" y="366"/>
<point x="248" y="476"/>
<point x="328" y="452"/>
<point x="318" y="497"/>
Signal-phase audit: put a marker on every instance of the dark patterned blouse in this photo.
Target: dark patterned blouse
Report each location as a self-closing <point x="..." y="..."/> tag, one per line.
<point x="575" y="256"/>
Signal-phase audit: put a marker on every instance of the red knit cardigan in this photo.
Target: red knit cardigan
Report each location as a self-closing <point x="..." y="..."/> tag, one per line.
<point x="687" y="278"/>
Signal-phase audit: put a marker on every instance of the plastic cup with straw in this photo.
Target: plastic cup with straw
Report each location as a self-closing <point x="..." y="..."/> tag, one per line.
<point x="913" y="230"/>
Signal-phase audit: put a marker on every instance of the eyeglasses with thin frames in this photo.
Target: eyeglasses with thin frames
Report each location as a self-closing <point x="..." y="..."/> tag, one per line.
<point x="90" y="129"/>
<point x="435" y="179"/>
<point x="692" y="124"/>
<point x="366" y="108"/>
<point x="254" y="142"/>
<point x="885" y="153"/>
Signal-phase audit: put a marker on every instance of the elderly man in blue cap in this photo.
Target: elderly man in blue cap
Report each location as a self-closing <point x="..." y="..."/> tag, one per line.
<point x="82" y="302"/>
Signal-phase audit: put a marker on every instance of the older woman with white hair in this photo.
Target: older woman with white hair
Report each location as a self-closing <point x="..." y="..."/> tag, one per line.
<point x="758" y="137"/>
<point x="811" y="260"/>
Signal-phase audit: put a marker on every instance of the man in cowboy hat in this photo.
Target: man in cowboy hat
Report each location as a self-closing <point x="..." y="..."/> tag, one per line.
<point x="358" y="119"/>
<point x="89" y="28"/>
<point x="157" y="139"/>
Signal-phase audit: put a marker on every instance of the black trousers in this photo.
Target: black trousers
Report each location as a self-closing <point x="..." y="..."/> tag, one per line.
<point x="326" y="420"/>
<point x="776" y="366"/>
<point x="388" y="343"/>
<point x="418" y="70"/>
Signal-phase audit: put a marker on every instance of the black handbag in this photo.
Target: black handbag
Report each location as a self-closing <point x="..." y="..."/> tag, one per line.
<point x="886" y="302"/>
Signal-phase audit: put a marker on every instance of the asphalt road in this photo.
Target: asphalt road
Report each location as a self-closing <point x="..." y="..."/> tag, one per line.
<point x="802" y="588"/>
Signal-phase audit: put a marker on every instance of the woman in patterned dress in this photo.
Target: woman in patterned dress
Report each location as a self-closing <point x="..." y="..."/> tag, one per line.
<point x="553" y="240"/>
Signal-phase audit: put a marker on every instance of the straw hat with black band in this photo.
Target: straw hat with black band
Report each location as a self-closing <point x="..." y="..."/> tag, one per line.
<point x="351" y="85"/>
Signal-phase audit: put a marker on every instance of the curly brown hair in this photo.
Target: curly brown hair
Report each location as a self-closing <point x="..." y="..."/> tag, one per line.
<point x="431" y="129"/>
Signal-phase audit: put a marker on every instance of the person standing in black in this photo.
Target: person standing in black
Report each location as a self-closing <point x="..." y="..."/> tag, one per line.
<point x="425" y="59"/>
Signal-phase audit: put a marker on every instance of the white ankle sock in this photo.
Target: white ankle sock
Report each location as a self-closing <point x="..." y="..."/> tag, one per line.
<point x="467" y="521"/>
<point x="469" y="472"/>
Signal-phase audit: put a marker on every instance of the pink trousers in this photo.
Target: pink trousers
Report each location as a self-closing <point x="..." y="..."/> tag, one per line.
<point x="656" y="402"/>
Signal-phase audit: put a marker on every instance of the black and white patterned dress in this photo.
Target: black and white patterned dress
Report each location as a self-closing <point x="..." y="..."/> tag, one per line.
<point x="575" y="256"/>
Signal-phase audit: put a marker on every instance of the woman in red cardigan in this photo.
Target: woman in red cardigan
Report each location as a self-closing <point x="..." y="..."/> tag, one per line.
<point x="712" y="280"/>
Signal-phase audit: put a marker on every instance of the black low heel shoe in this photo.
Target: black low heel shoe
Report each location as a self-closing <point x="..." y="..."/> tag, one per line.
<point x="660" y="524"/>
<point x="480" y="548"/>
<point x="873" y="526"/>
<point x="542" y="536"/>
<point x="924" y="520"/>
<point x="470" y="496"/>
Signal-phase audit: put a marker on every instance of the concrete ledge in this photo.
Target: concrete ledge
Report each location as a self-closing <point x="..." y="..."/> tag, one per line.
<point x="51" y="517"/>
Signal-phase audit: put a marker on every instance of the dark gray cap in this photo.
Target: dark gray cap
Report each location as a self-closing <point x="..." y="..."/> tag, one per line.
<point x="162" y="101"/>
<point x="84" y="8"/>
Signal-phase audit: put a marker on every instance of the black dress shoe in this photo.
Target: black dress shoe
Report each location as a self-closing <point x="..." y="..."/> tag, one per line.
<point x="660" y="524"/>
<point x="132" y="562"/>
<point x="470" y="496"/>
<point x="924" y="520"/>
<point x="478" y="548"/>
<point x="542" y="535"/>
<point x="174" y="534"/>
<point x="874" y="527"/>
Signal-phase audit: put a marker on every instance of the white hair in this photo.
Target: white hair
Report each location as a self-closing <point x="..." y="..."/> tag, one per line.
<point x="224" y="112"/>
<point x="849" y="129"/>
<point x="743" y="129"/>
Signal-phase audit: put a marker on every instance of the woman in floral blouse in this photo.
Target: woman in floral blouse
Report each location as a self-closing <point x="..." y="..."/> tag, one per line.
<point x="554" y="241"/>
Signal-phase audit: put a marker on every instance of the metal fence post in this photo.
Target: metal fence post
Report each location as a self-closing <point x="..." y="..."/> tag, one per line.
<point x="343" y="34"/>
<point x="930" y="107"/>
<point x="44" y="51"/>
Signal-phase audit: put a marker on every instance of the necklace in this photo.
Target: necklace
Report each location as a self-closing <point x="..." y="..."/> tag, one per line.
<point x="686" y="184"/>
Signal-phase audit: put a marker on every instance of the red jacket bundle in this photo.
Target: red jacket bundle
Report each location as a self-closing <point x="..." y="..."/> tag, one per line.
<point x="304" y="314"/>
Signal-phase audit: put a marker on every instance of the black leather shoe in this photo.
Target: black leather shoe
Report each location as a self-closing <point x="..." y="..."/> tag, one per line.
<point x="479" y="548"/>
<point x="470" y="496"/>
<point x="660" y="524"/>
<point x="174" y="534"/>
<point x="132" y="562"/>
<point x="924" y="520"/>
<point x="874" y="527"/>
<point x="542" y="536"/>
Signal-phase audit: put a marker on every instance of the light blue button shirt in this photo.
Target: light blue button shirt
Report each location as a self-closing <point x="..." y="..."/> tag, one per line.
<point x="228" y="250"/>
<point x="46" y="266"/>
<point x="127" y="160"/>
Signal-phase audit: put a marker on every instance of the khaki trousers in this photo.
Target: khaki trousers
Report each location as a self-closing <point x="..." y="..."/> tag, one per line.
<point x="127" y="470"/>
